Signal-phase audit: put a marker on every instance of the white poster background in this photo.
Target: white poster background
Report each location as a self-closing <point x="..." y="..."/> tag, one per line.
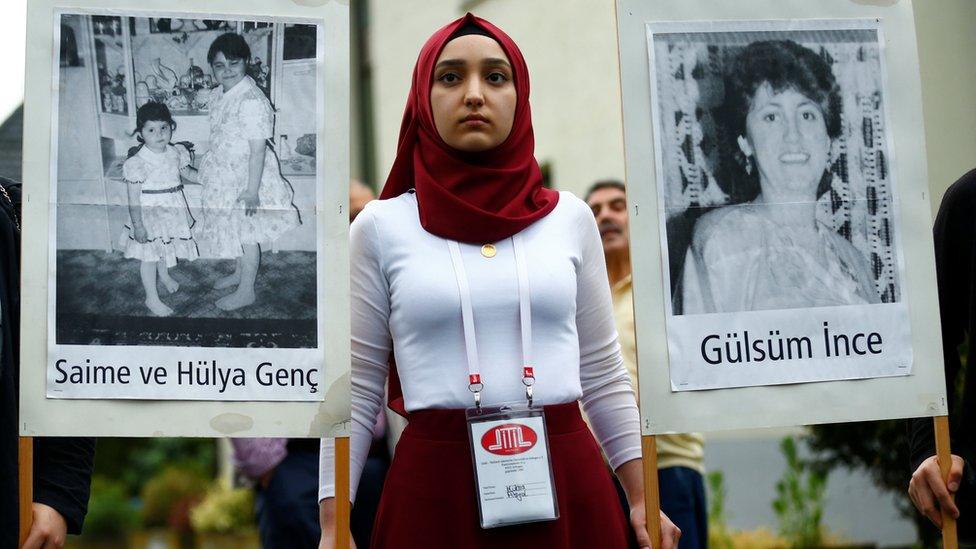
<point x="712" y="350"/>
<point x="716" y="351"/>
<point x="325" y="412"/>
<point x="898" y="396"/>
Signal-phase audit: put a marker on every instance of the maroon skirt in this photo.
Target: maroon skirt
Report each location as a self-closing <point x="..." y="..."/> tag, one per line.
<point x="429" y="498"/>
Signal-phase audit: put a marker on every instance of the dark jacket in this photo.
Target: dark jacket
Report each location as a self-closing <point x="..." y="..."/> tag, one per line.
<point x="955" y="262"/>
<point x="62" y="466"/>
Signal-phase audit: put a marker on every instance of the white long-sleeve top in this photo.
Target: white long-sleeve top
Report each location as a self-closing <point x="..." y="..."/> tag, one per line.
<point x="404" y="299"/>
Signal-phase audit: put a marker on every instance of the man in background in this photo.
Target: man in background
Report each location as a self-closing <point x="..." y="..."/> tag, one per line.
<point x="359" y="196"/>
<point x="954" y="237"/>
<point x="679" y="457"/>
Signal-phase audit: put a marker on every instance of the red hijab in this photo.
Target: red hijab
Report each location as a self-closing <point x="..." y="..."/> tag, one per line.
<point x="469" y="197"/>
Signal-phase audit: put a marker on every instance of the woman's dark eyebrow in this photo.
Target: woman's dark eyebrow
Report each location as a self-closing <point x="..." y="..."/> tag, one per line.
<point x="496" y="62"/>
<point x="451" y="63"/>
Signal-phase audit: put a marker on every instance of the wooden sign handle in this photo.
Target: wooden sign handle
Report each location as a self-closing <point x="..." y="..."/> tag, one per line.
<point x="949" y="537"/>
<point x="342" y="492"/>
<point x="652" y="497"/>
<point x="25" y="480"/>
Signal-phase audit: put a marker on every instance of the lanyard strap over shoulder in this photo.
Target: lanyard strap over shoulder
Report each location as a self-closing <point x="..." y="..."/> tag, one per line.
<point x="475" y="384"/>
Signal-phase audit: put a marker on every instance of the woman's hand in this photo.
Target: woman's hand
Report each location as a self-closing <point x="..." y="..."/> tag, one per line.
<point x="631" y="476"/>
<point x="139" y="233"/>
<point x="327" y="520"/>
<point x="250" y="200"/>
<point x="638" y="521"/>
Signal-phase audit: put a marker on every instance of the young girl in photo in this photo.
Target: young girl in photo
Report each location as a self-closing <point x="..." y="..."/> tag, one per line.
<point x="159" y="233"/>
<point x="245" y="199"/>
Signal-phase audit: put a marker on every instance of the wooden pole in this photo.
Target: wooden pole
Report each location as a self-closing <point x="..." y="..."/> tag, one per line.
<point x="652" y="498"/>
<point x="342" y="492"/>
<point x="25" y="479"/>
<point x="949" y="538"/>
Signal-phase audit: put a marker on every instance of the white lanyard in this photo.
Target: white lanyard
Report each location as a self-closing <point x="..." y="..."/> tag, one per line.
<point x="475" y="384"/>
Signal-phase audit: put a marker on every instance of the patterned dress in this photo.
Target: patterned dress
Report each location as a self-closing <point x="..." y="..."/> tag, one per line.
<point x="237" y="116"/>
<point x="164" y="210"/>
<point x="739" y="260"/>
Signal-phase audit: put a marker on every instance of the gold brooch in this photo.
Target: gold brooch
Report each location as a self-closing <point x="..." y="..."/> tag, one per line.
<point x="488" y="250"/>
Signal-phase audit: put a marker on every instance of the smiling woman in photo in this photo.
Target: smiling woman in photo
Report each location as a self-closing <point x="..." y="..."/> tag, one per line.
<point x="770" y="252"/>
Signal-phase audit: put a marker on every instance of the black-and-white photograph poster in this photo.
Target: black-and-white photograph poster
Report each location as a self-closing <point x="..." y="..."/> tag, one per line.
<point x="185" y="260"/>
<point x="779" y="217"/>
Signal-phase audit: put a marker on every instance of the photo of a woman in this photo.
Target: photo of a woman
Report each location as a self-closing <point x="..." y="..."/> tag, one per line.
<point x="777" y="194"/>
<point x="464" y="212"/>
<point x="774" y="169"/>
<point x="783" y="106"/>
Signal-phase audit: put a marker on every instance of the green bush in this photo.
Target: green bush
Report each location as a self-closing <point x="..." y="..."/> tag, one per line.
<point x="799" y="499"/>
<point x="110" y="512"/>
<point x="719" y="536"/>
<point x="133" y="461"/>
<point x="168" y="497"/>
<point x="224" y="510"/>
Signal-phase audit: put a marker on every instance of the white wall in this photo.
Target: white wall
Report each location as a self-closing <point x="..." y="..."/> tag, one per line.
<point x="946" y="41"/>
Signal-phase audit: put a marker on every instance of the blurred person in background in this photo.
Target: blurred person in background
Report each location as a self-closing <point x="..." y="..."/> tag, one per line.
<point x="285" y="476"/>
<point x="62" y="466"/>
<point x="359" y="196"/>
<point x="679" y="457"/>
<point x="955" y="258"/>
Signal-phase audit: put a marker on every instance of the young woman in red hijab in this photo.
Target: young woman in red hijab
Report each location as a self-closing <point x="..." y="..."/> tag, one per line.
<point x="467" y="271"/>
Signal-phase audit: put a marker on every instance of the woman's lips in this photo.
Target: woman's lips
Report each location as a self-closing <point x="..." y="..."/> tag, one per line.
<point x="794" y="158"/>
<point x="474" y="121"/>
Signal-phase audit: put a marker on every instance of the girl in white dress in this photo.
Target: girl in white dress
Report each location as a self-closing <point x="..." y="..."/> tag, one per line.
<point x="159" y="232"/>
<point x="245" y="199"/>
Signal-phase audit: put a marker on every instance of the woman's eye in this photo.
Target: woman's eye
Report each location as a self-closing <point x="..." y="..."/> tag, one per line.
<point x="809" y="115"/>
<point x="449" y="78"/>
<point x="770" y="117"/>
<point x="497" y="78"/>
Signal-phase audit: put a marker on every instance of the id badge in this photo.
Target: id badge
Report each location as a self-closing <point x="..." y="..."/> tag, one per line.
<point x="512" y="469"/>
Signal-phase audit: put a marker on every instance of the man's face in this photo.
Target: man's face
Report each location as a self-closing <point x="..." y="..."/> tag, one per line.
<point x="609" y="207"/>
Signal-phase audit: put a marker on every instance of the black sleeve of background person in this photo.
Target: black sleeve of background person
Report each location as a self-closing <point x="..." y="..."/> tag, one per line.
<point x="62" y="467"/>
<point x="62" y="476"/>
<point x="9" y="321"/>
<point x="954" y="235"/>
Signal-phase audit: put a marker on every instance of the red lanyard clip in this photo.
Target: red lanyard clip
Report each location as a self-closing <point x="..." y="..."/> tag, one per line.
<point x="475" y="386"/>
<point x="528" y="379"/>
